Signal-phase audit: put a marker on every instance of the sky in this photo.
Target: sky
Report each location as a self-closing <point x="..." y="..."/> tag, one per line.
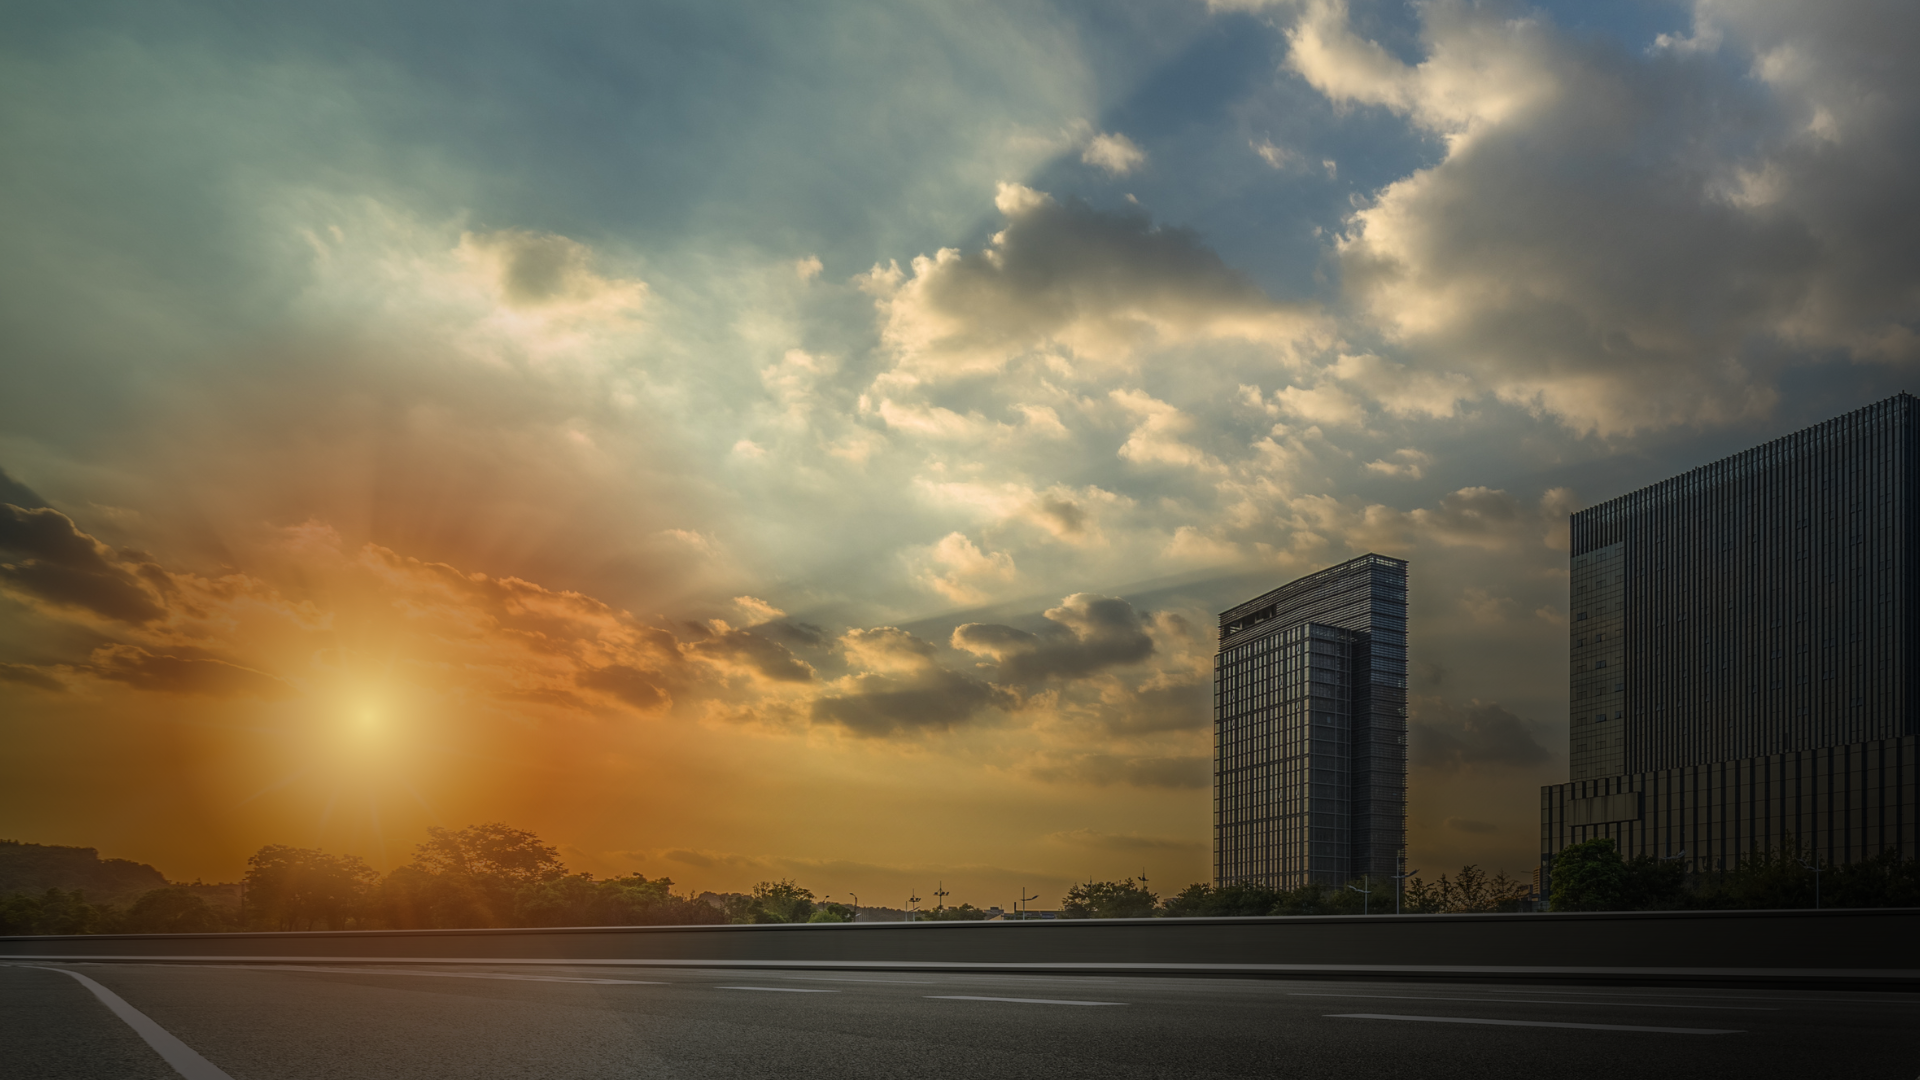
<point x="742" y="442"/>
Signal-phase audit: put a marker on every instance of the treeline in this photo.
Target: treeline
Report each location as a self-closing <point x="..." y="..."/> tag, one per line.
<point x="1592" y="876"/>
<point x="488" y="875"/>
<point x="1472" y="890"/>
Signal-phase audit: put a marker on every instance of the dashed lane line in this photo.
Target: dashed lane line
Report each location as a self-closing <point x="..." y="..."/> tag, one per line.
<point x="1534" y="1023"/>
<point x="1018" y="1001"/>
<point x="184" y="1059"/>
<point x="780" y="989"/>
<point x="1532" y="1001"/>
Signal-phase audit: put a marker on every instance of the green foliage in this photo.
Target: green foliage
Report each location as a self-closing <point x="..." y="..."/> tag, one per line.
<point x="55" y="911"/>
<point x="1589" y="876"/>
<point x="175" y="909"/>
<point x="959" y="913"/>
<point x="1127" y="899"/>
<point x="1469" y="892"/>
<point x="1242" y="898"/>
<point x="291" y="888"/>
<point x="579" y="900"/>
<point x="778" y="902"/>
<point x="35" y="868"/>
<point x="831" y="912"/>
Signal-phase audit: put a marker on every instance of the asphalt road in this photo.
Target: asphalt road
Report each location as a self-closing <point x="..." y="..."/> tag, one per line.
<point x="250" y="1022"/>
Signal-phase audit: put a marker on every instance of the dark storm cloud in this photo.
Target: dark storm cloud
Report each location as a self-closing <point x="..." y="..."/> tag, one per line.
<point x="1085" y="634"/>
<point x="182" y="670"/>
<point x="1444" y="737"/>
<point x="49" y="558"/>
<point x="637" y="688"/>
<point x="769" y="658"/>
<point x="795" y="634"/>
<point x="18" y="494"/>
<point x="931" y="699"/>
<point x="22" y="675"/>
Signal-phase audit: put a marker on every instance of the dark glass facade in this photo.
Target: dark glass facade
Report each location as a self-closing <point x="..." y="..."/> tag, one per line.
<point x="1310" y="729"/>
<point x="1743" y="646"/>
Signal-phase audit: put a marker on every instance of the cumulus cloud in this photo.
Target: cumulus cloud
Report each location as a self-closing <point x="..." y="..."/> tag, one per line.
<point x="1741" y="217"/>
<point x="1446" y="737"/>
<point x="1085" y="634"/>
<point x="50" y="560"/>
<point x="963" y="573"/>
<point x="1113" y="152"/>
<point x="1097" y="286"/>
<point x="905" y="689"/>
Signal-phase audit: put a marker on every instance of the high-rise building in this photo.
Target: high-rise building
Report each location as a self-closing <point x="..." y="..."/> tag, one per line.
<point x="1310" y="730"/>
<point x="1745" y="643"/>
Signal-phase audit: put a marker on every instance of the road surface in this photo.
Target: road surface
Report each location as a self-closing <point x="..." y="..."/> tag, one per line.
<point x="479" y="1022"/>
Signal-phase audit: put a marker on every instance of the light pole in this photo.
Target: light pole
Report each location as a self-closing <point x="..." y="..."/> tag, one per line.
<point x="856" y="907"/>
<point x="1366" y="895"/>
<point x="1399" y="880"/>
<point x="1023" y="902"/>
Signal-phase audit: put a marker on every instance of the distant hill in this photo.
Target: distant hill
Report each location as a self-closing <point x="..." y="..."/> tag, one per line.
<point x="35" y="868"/>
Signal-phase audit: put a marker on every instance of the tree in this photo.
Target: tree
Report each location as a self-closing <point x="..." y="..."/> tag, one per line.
<point x="52" y="912"/>
<point x="174" y="909"/>
<point x="959" y="913"/>
<point x="778" y="902"/>
<point x="473" y="877"/>
<point x="1589" y="876"/>
<point x="1128" y="899"/>
<point x="1239" y="898"/>
<point x="291" y="888"/>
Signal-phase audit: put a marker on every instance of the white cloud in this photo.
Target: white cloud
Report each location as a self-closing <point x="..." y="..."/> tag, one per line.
<point x="1115" y="153"/>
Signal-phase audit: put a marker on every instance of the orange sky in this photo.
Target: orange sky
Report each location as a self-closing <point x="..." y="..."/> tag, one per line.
<point x="817" y="445"/>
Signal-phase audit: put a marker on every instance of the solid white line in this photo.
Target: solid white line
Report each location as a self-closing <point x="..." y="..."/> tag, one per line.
<point x="780" y="989"/>
<point x="1534" y="1001"/>
<point x="1534" y="1023"/>
<point x="435" y="974"/>
<point x="1018" y="1001"/>
<point x="176" y="1053"/>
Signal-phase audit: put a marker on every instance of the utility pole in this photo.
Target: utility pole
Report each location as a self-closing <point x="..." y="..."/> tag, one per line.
<point x="912" y="906"/>
<point x="1399" y="881"/>
<point x="940" y="897"/>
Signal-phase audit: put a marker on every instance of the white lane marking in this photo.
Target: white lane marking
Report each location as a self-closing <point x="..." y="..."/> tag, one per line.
<point x="840" y="979"/>
<point x="1018" y="1001"/>
<point x="422" y="974"/>
<point x="1534" y="1023"/>
<point x="780" y="989"/>
<point x="1533" y="1001"/>
<point x="455" y="974"/>
<point x="176" y="1053"/>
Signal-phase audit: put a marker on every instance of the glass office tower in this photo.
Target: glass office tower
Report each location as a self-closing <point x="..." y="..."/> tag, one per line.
<point x="1310" y="730"/>
<point x="1744" y="643"/>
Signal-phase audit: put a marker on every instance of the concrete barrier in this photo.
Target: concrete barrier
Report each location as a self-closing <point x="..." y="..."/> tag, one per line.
<point x="1855" y="948"/>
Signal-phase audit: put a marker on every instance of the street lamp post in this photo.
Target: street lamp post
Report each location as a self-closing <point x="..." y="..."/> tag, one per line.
<point x="1023" y="902"/>
<point x="1366" y="895"/>
<point x="856" y="907"/>
<point x="1399" y="880"/>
